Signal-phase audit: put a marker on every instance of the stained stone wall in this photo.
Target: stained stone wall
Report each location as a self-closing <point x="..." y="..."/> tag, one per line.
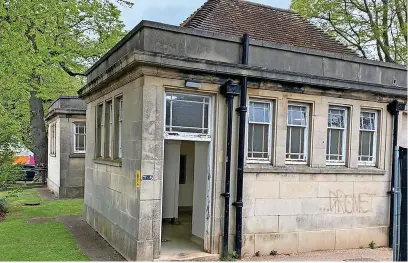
<point x="128" y="217"/>
<point x="287" y="208"/>
<point x="66" y="169"/>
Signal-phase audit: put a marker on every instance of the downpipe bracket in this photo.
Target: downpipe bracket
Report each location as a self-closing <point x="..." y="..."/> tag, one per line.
<point x="238" y="204"/>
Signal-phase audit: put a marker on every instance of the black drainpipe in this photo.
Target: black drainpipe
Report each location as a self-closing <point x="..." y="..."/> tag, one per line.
<point x="241" y="150"/>
<point x="394" y="108"/>
<point x="229" y="90"/>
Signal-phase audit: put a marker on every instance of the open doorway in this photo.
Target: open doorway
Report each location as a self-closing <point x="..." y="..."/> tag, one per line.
<point x="185" y="174"/>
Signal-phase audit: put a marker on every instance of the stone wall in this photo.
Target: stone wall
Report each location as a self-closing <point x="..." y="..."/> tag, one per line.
<point x="293" y="213"/>
<point x="127" y="216"/>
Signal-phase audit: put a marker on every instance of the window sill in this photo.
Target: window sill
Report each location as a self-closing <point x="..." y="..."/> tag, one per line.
<point x="77" y="155"/>
<point x="303" y="169"/>
<point x="53" y="155"/>
<point x="117" y="162"/>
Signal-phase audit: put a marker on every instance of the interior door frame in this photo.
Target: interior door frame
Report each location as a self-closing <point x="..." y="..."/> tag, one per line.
<point x="210" y="165"/>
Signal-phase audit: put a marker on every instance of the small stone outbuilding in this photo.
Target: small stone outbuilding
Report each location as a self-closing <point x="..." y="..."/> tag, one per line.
<point x="66" y="121"/>
<point x="318" y="138"/>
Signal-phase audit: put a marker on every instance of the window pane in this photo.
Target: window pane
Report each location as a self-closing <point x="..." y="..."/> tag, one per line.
<point x="81" y="143"/>
<point x="297" y="115"/>
<point x="335" y="143"/>
<point x="259" y="112"/>
<point x="258" y="138"/>
<point x="367" y="120"/>
<point x="366" y="143"/>
<point x="336" y="118"/>
<point x="297" y="140"/>
<point x="185" y="113"/>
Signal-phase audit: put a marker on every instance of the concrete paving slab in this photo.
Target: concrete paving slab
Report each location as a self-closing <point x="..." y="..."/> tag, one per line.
<point x="89" y="241"/>
<point x="46" y="194"/>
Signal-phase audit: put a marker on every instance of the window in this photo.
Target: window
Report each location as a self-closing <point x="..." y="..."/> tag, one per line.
<point x="79" y="137"/>
<point x="297" y="133"/>
<point x="368" y="137"/>
<point x="259" y="130"/>
<point x="336" y="136"/>
<point x="187" y="113"/>
<point x="108" y="129"/>
<point x="53" y="139"/>
<point x="99" y="130"/>
<point x="118" y="126"/>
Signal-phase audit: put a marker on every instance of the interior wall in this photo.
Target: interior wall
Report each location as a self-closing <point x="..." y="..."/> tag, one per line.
<point x="186" y="190"/>
<point x="200" y="181"/>
<point x="171" y="179"/>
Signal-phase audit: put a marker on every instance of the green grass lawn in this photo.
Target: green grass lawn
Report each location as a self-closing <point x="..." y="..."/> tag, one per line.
<point x="50" y="241"/>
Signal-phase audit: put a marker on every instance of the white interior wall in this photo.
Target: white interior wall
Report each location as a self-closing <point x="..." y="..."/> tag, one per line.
<point x="54" y="160"/>
<point x="200" y="181"/>
<point x="186" y="190"/>
<point x="171" y="179"/>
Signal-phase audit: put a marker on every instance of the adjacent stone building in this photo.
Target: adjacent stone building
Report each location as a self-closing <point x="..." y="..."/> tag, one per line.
<point x="66" y="122"/>
<point x="318" y="140"/>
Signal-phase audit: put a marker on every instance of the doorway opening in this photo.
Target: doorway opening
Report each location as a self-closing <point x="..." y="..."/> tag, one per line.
<point x="185" y="175"/>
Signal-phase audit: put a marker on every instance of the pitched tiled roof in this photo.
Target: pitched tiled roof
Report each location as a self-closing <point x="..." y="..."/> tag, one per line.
<point x="236" y="17"/>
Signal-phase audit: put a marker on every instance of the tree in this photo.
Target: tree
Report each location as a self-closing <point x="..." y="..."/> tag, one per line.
<point x="376" y="29"/>
<point x="45" y="47"/>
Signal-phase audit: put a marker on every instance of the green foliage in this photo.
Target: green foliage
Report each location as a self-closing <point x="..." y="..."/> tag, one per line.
<point x="4" y="206"/>
<point x="45" y="47"/>
<point x="372" y="244"/>
<point x="230" y="257"/>
<point x="9" y="172"/>
<point x="376" y="29"/>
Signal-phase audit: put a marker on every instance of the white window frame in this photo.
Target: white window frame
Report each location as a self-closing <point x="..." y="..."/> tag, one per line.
<point x="305" y="136"/>
<point x="100" y="136"/>
<point x="76" y="124"/>
<point x="375" y="132"/>
<point x="53" y="139"/>
<point x="257" y="159"/>
<point x="110" y="123"/>
<point x="176" y="135"/>
<point x="344" y="139"/>
<point x="120" y="123"/>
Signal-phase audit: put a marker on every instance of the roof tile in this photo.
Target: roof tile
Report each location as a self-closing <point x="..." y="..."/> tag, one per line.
<point x="281" y="26"/>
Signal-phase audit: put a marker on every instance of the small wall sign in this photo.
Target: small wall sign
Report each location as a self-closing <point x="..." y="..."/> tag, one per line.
<point x="138" y="179"/>
<point x="147" y="177"/>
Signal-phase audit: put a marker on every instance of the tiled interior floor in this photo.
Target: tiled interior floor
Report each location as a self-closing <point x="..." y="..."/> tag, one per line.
<point x="176" y="237"/>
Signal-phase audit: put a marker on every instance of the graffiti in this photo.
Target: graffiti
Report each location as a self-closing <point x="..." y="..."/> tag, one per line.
<point x="346" y="203"/>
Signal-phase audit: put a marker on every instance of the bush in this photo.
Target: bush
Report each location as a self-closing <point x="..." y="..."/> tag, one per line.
<point x="4" y="207"/>
<point x="9" y="172"/>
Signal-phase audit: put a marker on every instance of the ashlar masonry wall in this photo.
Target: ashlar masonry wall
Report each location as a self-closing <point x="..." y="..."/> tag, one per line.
<point x="127" y="216"/>
<point x="298" y="208"/>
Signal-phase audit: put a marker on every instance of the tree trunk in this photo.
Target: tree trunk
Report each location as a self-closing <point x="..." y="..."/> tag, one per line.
<point x="38" y="135"/>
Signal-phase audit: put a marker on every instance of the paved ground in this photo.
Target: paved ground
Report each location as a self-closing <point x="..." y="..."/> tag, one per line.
<point x="89" y="241"/>
<point x="46" y="194"/>
<point x="366" y="254"/>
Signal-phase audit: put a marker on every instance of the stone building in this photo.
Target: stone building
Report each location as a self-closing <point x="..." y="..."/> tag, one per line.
<point x="66" y="120"/>
<point x="318" y="141"/>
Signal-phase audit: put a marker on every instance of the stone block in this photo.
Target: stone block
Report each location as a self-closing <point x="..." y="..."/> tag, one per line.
<point x="328" y="189"/>
<point x="353" y="178"/>
<point x="146" y="190"/>
<point x="277" y="177"/>
<point x="297" y="223"/>
<point x="145" y="230"/>
<point x="146" y="210"/>
<point x="334" y="221"/>
<point x="298" y="189"/>
<point x="249" y="207"/>
<point x="262" y="189"/>
<point x="248" y="245"/>
<point x="276" y="207"/>
<point x="260" y="224"/>
<point x="357" y="237"/>
<point x="317" y="177"/>
<point x="283" y="243"/>
<point x="316" y="240"/>
<point x="372" y="188"/>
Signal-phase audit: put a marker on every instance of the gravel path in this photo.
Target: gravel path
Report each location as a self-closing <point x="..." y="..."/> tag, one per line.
<point x="365" y="254"/>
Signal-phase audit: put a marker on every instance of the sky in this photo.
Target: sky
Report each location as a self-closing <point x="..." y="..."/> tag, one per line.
<point x="173" y="12"/>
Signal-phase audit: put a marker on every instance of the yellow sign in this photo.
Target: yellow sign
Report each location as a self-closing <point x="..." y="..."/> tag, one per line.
<point x="138" y="178"/>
